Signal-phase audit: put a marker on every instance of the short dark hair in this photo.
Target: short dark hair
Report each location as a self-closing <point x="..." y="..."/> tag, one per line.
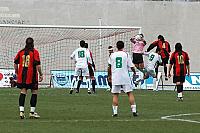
<point x="120" y="45"/>
<point x="178" y="47"/>
<point x="82" y="43"/>
<point x="86" y="45"/>
<point x="29" y="43"/>
<point x="161" y="37"/>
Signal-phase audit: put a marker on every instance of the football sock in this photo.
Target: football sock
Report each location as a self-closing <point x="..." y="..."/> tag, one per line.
<point x="165" y="70"/>
<point x="73" y="83"/>
<point x="88" y="84"/>
<point x="22" y="101"/>
<point x="114" y="109"/>
<point x="133" y="108"/>
<point x="79" y="84"/>
<point x="179" y="91"/>
<point x="93" y="85"/>
<point x="33" y="102"/>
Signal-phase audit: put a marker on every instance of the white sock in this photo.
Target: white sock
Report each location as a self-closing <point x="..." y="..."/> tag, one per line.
<point x="88" y="84"/>
<point x="21" y="108"/>
<point x="73" y="83"/>
<point x="180" y="95"/>
<point x="154" y="85"/>
<point x="133" y="108"/>
<point x="114" y="109"/>
<point x="32" y="109"/>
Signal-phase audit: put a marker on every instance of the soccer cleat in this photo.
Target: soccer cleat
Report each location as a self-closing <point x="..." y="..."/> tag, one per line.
<point x="135" y="114"/>
<point x="136" y="83"/>
<point x="89" y="92"/>
<point x="22" y="115"/>
<point x="114" y="115"/>
<point x="180" y="99"/>
<point x="34" y="115"/>
<point x="71" y="91"/>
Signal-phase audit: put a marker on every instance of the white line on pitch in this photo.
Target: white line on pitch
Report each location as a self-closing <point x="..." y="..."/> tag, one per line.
<point x="170" y="117"/>
<point x="60" y="121"/>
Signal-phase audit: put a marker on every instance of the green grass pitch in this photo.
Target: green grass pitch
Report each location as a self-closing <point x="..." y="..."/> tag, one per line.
<point x="82" y="113"/>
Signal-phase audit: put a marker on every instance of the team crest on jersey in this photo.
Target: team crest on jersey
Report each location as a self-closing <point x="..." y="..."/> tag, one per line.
<point x="61" y="79"/>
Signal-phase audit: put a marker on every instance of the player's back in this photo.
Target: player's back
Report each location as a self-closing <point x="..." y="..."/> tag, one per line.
<point x="81" y="57"/>
<point x="120" y="63"/>
<point x="153" y="58"/>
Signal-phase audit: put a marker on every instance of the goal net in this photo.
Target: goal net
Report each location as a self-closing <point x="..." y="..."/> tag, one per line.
<point x="56" y="44"/>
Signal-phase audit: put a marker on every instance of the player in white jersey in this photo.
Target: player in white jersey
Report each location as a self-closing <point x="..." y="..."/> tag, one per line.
<point x="153" y="59"/>
<point x="82" y="58"/>
<point x="119" y="65"/>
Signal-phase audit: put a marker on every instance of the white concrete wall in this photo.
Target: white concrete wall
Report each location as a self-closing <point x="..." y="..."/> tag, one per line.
<point x="177" y="21"/>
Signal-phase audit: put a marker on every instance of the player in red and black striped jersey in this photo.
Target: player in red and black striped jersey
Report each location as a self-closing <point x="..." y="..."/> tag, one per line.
<point x="27" y="65"/>
<point x="165" y="52"/>
<point x="181" y="66"/>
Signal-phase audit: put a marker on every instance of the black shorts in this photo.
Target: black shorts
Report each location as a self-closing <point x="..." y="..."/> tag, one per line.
<point x="165" y="60"/>
<point x="137" y="58"/>
<point x="33" y="86"/>
<point x="179" y="79"/>
<point x="91" y="71"/>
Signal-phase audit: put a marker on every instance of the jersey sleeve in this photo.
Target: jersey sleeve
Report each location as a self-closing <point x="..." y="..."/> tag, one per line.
<point x="73" y="54"/>
<point x="159" y="59"/>
<point x="36" y="57"/>
<point x="16" y="59"/>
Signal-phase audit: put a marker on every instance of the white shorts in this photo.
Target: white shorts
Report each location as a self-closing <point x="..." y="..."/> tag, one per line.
<point x="118" y="88"/>
<point x="81" y="72"/>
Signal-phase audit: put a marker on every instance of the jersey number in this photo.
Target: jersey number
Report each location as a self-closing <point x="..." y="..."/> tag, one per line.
<point x="180" y="59"/>
<point x="25" y="60"/>
<point x="81" y="54"/>
<point x="119" y="62"/>
<point x="151" y="57"/>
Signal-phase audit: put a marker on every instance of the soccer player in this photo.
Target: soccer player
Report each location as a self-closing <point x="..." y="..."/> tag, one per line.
<point x="82" y="58"/>
<point x="91" y="68"/>
<point x="27" y="65"/>
<point x="138" y="44"/>
<point x="165" y="52"/>
<point x="181" y="66"/>
<point x="154" y="59"/>
<point x="119" y="64"/>
<point x="110" y="51"/>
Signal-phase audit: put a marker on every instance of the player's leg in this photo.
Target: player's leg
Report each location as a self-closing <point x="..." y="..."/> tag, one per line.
<point x="33" y="102"/>
<point x="79" y="84"/>
<point x="165" y="62"/>
<point x="128" y="90"/>
<point x="153" y="74"/>
<point x="116" y="89"/>
<point x="74" y="80"/>
<point x="91" y="72"/>
<point x="88" y="84"/>
<point x="22" y="98"/>
<point x="179" y="86"/>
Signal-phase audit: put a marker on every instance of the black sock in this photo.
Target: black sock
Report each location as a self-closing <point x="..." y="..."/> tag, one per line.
<point x="93" y="85"/>
<point x="165" y="70"/>
<point x="33" y="100"/>
<point x="156" y="70"/>
<point x="181" y="88"/>
<point x="178" y="88"/>
<point x="110" y="84"/>
<point x="78" y="85"/>
<point x="22" y="99"/>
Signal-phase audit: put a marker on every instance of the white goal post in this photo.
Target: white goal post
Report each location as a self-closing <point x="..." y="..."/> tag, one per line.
<point x="56" y="42"/>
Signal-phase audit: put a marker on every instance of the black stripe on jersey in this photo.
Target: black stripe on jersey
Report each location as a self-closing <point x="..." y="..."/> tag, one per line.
<point x="25" y="69"/>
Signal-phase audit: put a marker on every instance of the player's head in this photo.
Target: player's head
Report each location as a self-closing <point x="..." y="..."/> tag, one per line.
<point x="158" y="50"/>
<point x="178" y="47"/>
<point x="120" y="45"/>
<point x="142" y="35"/>
<point x="86" y="45"/>
<point x="110" y="49"/>
<point x="82" y="43"/>
<point x="29" y="43"/>
<point x="160" y="37"/>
